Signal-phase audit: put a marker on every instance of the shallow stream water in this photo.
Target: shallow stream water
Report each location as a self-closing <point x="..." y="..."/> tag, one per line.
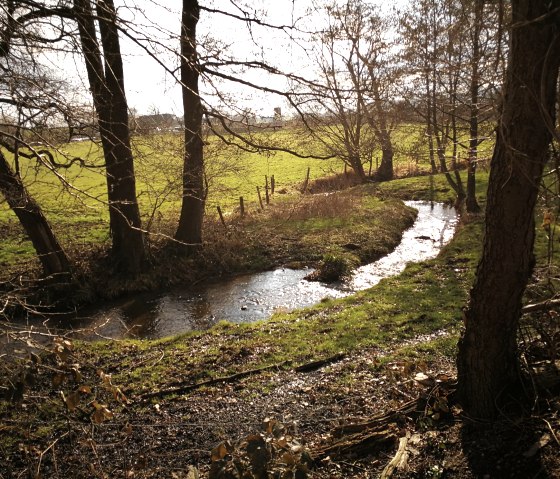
<point x="257" y="296"/>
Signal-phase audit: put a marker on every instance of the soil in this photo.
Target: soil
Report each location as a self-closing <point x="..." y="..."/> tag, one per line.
<point x="305" y="412"/>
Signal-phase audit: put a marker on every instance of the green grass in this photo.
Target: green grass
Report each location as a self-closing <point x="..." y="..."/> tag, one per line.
<point x="390" y="317"/>
<point x="432" y="188"/>
<point x="426" y="298"/>
<point x="75" y="201"/>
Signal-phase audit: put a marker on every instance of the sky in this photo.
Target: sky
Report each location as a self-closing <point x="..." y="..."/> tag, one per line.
<point x="150" y="89"/>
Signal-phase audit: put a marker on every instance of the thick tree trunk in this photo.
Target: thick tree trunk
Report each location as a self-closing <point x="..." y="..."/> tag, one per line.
<point x="53" y="258"/>
<point x="358" y="167"/>
<point x="107" y="86"/>
<point x="189" y="230"/>
<point x="385" y="170"/>
<point x="487" y="362"/>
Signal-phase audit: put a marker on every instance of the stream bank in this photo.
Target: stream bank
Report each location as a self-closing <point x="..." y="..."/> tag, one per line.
<point x="253" y="297"/>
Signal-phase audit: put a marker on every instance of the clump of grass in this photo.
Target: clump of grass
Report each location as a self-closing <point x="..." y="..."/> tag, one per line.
<point x="339" y="181"/>
<point x="332" y="268"/>
<point x="326" y="205"/>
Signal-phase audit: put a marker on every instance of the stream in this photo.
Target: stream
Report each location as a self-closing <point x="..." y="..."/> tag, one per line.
<point x="257" y="296"/>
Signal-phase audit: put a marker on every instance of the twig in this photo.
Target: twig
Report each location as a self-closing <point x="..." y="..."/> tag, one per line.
<point x="552" y="431"/>
<point x="37" y="472"/>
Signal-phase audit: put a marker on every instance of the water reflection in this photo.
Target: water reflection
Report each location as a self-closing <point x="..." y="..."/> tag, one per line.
<point x="257" y="296"/>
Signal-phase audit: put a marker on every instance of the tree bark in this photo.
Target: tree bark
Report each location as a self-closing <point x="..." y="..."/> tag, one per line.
<point x="487" y="362"/>
<point x="189" y="230"/>
<point x="51" y="255"/>
<point x="106" y="80"/>
<point x="385" y="171"/>
<point x="356" y="165"/>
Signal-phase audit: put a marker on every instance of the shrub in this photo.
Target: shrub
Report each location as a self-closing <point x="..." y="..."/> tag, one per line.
<point x="332" y="268"/>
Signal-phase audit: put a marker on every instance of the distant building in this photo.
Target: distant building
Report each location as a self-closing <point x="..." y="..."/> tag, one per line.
<point x="158" y="122"/>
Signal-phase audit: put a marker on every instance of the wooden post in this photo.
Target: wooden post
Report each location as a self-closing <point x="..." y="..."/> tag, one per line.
<point x="272" y="184"/>
<point x="370" y="165"/>
<point x="306" y="180"/>
<point x="221" y="216"/>
<point x="266" y="190"/>
<point x="260" y="198"/>
<point x="241" y="206"/>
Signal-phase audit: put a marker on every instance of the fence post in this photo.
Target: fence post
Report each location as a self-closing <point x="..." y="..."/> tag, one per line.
<point x="241" y="206"/>
<point x="266" y="190"/>
<point x="260" y="198"/>
<point x="272" y="184"/>
<point x="221" y="216"/>
<point x="306" y="180"/>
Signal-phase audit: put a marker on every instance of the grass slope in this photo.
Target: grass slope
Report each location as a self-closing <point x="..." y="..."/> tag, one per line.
<point x="403" y="325"/>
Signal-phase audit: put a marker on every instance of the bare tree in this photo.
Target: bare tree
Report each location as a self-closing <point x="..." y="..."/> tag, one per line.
<point x="52" y="26"/>
<point x="488" y="366"/>
<point x="189" y="230"/>
<point x="105" y="73"/>
<point x="345" y="105"/>
<point x="456" y="72"/>
<point x="368" y="32"/>
<point x="429" y="33"/>
<point x="28" y="98"/>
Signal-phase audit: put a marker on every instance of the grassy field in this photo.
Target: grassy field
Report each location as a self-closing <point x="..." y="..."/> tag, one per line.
<point x="74" y="199"/>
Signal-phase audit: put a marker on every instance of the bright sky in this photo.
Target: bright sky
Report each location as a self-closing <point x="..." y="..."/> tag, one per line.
<point x="149" y="88"/>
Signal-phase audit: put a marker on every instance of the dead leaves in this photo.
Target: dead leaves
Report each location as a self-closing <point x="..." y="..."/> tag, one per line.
<point x="94" y="398"/>
<point x="101" y="413"/>
<point x="271" y="453"/>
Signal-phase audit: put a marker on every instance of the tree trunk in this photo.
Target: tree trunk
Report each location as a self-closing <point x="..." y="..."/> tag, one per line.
<point x="429" y="127"/>
<point x="189" y="230"/>
<point x="358" y="167"/>
<point x="439" y="134"/>
<point x="107" y="86"/>
<point x="53" y="258"/>
<point x="471" y="203"/>
<point x="487" y="362"/>
<point x="385" y="170"/>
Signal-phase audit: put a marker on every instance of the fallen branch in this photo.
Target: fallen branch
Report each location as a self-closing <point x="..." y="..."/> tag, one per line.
<point x="210" y="382"/>
<point x="182" y="389"/>
<point x="548" y="304"/>
<point x="410" y="408"/>
<point x="399" y="460"/>
<point x="314" y="365"/>
<point x="358" y="444"/>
